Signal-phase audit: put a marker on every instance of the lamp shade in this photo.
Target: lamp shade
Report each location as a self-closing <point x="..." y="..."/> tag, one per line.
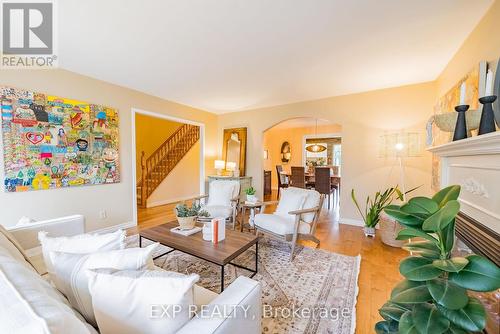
<point x="231" y="166"/>
<point x="406" y="144"/>
<point x="315" y="148"/>
<point x="219" y="164"/>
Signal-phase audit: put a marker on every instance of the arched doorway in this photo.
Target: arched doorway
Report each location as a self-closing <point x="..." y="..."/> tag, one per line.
<point x="286" y="144"/>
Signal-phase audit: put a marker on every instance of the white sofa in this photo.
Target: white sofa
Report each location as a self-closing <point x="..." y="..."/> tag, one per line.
<point x="29" y="304"/>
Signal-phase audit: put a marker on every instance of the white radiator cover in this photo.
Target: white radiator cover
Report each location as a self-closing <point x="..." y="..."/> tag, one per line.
<point x="474" y="163"/>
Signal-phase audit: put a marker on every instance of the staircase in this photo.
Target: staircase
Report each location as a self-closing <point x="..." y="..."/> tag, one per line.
<point x="157" y="167"/>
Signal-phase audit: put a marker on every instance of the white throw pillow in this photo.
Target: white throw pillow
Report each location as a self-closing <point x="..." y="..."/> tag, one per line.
<point x="290" y="200"/>
<point x="79" y="244"/>
<point x="132" y="302"/>
<point x="221" y="192"/>
<point x="30" y="305"/>
<point x="72" y="278"/>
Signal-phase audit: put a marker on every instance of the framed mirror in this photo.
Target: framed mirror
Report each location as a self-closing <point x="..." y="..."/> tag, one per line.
<point x="234" y="149"/>
<point x="286" y="152"/>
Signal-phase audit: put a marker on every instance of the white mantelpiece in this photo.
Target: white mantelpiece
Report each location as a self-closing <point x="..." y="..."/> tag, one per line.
<point x="474" y="163"/>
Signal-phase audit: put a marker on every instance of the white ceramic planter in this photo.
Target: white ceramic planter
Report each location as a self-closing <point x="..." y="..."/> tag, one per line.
<point x="186" y="223"/>
<point x="252" y="198"/>
<point x="369" y="231"/>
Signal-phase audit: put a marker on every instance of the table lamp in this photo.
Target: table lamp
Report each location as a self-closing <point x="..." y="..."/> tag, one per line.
<point x="231" y="166"/>
<point x="219" y="165"/>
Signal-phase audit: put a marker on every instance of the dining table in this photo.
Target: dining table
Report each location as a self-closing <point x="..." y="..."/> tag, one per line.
<point x="310" y="177"/>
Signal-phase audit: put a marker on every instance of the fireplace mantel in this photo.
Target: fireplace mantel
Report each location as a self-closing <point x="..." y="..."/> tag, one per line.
<point x="474" y="164"/>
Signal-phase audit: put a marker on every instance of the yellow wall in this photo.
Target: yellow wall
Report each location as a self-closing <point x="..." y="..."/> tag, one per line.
<point x="482" y="44"/>
<point x="363" y="117"/>
<point x="150" y="133"/>
<point x="115" y="199"/>
<point x="274" y="137"/>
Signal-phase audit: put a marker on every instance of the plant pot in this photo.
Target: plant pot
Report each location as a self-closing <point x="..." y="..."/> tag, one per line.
<point x="186" y="223"/>
<point x="389" y="229"/>
<point x="252" y="198"/>
<point x="369" y="231"/>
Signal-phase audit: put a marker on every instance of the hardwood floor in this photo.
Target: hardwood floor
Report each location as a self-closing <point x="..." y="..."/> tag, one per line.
<point x="379" y="262"/>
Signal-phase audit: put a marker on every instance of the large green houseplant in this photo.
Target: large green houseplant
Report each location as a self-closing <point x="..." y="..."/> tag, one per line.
<point x="434" y="297"/>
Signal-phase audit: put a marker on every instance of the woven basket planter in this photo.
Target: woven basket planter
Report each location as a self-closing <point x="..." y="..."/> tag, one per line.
<point x="389" y="229"/>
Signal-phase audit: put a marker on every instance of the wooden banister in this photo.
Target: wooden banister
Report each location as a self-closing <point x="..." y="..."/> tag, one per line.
<point x="163" y="160"/>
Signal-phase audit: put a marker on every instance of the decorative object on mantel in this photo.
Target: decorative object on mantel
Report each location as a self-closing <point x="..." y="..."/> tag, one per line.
<point x="487" y="123"/>
<point x="442" y="123"/>
<point x="286" y="152"/>
<point x="435" y="297"/>
<point x="461" y="125"/>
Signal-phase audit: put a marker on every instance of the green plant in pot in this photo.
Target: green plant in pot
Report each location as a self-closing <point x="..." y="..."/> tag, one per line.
<point x="434" y="296"/>
<point x="250" y="192"/>
<point x="374" y="207"/>
<point x="186" y="216"/>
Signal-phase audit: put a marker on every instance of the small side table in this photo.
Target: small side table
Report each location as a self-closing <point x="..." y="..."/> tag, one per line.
<point x="252" y="206"/>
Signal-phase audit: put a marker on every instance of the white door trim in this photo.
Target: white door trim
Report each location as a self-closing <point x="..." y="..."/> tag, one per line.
<point x="170" y="118"/>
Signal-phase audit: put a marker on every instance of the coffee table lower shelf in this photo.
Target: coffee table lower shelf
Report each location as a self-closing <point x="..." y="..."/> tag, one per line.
<point x="218" y="264"/>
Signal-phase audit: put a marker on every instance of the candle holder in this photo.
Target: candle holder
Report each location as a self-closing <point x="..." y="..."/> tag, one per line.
<point x="487" y="123"/>
<point x="461" y="126"/>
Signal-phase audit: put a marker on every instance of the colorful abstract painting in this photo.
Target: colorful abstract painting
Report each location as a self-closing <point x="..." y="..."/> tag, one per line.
<point x="52" y="142"/>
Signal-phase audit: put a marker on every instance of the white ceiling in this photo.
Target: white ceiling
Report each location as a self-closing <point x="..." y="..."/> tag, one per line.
<point x="231" y="55"/>
<point x="301" y="122"/>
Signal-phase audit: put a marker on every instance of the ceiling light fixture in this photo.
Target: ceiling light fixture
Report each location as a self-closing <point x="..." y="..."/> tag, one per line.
<point x="315" y="148"/>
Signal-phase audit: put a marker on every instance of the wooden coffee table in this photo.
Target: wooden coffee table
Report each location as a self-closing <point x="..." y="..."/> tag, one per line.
<point x="220" y="254"/>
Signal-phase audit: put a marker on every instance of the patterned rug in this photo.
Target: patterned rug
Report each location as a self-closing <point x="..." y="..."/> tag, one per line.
<point x="316" y="293"/>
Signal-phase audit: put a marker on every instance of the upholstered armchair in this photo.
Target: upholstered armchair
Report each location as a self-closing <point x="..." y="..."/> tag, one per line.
<point x="222" y="200"/>
<point x="295" y="218"/>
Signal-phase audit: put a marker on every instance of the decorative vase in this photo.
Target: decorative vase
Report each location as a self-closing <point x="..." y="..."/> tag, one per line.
<point x="369" y="231"/>
<point x="186" y="223"/>
<point x="461" y="125"/>
<point x="207" y="231"/>
<point x="252" y="198"/>
<point x="487" y="123"/>
<point x="389" y="230"/>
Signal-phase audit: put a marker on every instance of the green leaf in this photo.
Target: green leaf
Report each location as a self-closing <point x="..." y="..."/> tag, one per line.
<point x="392" y="311"/>
<point x="455" y="330"/>
<point x="442" y="218"/>
<point x="448" y="294"/>
<point x="428" y="319"/>
<point x="395" y="213"/>
<point x="423" y="248"/>
<point x="471" y="318"/>
<point x="453" y="265"/>
<point x="409" y="232"/>
<point x="448" y="236"/>
<point x="418" y="269"/>
<point x="410" y="292"/>
<point x="406" y="325"/>
<point x="421" y="205"/>
<point x="480" y="274"/>
<point x="386" y="327"/>
<point x="447" y="194"/>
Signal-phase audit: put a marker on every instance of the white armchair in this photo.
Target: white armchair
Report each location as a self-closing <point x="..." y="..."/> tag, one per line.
<point x="295" y="217"/>
<point x="222" y="200"/>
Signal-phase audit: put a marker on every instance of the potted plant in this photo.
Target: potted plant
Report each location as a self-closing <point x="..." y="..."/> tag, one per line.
<point x="186" y="216"/>
<point x="434" y="296"/>
<point x="374" y="207"/>
<point x="251" y="195"/>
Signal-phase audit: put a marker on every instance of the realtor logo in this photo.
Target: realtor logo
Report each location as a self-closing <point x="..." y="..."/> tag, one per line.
<point x="28" y="34"/>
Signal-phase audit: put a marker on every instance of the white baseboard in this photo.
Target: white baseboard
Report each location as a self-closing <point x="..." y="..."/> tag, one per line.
<point x="169" y="201"/>
<point x="353" y="222"/>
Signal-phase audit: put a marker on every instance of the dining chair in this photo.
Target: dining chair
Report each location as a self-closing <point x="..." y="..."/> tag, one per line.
<point x="298" y="178"/>
<point x="282" y="179"/>
<point x="323" y="182"/>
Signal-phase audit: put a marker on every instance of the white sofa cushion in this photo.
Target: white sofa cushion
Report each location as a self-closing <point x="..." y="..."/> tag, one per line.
<point x="29" y="304"/>
<point x="291" y="199"/>
<point x="79" y="244"/>
<point x="9" y="243"/>
<point x="72" y="277"/>
<point x="131" y="301"/>
<point x="279" y="224"/>
<point x="221" y="192"/>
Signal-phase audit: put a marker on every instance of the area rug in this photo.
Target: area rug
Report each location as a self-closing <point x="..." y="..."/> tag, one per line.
<point x="316" y="293"/>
